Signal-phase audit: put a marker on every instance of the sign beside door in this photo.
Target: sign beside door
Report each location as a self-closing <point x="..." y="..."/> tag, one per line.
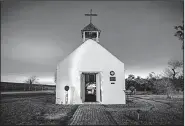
<point x="66" y="89"/>
<point x="112" y="78"/>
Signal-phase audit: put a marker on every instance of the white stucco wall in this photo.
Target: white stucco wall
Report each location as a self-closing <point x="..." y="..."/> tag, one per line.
<point x="62" y="80"/>
<point x="91" y="56"/>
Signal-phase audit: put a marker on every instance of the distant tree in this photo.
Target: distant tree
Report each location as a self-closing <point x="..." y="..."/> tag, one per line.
<point x="168" y="73"/>
<point x="152" y="75"/>
<point x="172" y="74"/>
<point x="131" y="77"/>
<point x="130" y="81"/>
<point x="175" y="73"/>
<point x="151" y="80"/>
<point x="138" y="77"/>
<point x="180" y="83"/>
<point x="142" y="83"/>
<point x="180" y="33"/>
<point x="132" y="89"/>
<point x="173" y="70"/>
<point x="164" y="86"/>
<point x="32" y="80"/>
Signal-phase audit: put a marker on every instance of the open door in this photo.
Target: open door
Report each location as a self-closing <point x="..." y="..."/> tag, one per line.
<point x="82" y="91"/>
<point x="98" y="88"/>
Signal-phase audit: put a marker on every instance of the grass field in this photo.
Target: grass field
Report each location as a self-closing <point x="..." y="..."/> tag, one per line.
<point x="34" y="110"/>
<point x="41" y="110"/>
<point x="153" y="112"/>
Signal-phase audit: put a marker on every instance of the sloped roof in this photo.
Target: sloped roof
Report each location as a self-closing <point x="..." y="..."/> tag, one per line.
<point x="84" y="49"/>
<point x="90" y="27"/>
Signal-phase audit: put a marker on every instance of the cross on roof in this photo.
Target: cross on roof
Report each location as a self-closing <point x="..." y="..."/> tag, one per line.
<point x="90" y="15"/>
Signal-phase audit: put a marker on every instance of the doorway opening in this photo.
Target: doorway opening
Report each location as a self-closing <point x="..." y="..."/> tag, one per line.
<point x="90" y="87"/>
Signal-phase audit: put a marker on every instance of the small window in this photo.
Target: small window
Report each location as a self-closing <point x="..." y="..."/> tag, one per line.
<point x="87" y="34"/>
<point x="93" y="35"/>
<point x="90" y="34"/>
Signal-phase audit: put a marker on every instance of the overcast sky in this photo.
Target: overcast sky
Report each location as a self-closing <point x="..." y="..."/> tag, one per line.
<point x="36" y="35"/>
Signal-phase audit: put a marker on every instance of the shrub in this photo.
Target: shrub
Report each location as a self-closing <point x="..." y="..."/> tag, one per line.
<point x="163" y="86"/>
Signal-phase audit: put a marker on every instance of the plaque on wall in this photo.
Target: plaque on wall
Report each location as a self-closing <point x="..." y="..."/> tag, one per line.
<point x="112" y="83"/>
<point x="112" y="78"/>
<point x="112" y="73"/>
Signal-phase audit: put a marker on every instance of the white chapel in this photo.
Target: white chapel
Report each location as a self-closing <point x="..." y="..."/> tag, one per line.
<point x="90" y="74"/>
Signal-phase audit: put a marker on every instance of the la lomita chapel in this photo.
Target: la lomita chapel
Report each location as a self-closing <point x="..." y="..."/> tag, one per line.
<point x="90" y="74"/>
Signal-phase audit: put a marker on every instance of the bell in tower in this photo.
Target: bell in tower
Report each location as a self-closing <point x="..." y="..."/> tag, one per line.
<point x="90" y="31"/>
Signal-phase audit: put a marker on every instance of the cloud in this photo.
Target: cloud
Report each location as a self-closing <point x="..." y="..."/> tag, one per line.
<point x="13" y="78"/>
<point x="35" y="35"/>
<point x="9" y="66"/>
<point x="33" y="52"/>
<point x="47" y="80"/>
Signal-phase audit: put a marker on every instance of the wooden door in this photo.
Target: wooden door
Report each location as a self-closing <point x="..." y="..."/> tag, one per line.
<point x="98" y="87"/>
<point x="82" y="91"/>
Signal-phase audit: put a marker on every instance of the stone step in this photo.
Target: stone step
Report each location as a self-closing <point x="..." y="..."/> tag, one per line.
<point x="91" y="103"/>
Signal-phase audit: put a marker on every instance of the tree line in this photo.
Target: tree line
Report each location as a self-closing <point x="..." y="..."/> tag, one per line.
<point x="169" y="81"/>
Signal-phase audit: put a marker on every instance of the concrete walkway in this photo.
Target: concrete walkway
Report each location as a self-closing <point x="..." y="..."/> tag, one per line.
<point x="94" y="114"/>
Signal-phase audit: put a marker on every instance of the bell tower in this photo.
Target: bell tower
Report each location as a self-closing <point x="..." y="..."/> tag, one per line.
<point x="90" y="31"/>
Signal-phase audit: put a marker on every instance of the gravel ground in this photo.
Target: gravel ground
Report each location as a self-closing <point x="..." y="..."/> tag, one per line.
<point x="92" y="115"/>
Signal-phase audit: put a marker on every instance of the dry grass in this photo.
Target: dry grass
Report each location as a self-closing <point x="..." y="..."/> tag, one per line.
<point x="169" y="112"/>
<point x="42" y="110"/>
<point x="35" y="111"/>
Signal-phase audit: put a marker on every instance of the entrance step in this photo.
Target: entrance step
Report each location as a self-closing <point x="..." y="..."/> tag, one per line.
<point x="92" y="103"/>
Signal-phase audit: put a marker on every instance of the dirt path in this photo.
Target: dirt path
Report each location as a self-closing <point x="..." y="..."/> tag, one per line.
<point x="155" y="105"/>
<point x="92" y="115"/>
